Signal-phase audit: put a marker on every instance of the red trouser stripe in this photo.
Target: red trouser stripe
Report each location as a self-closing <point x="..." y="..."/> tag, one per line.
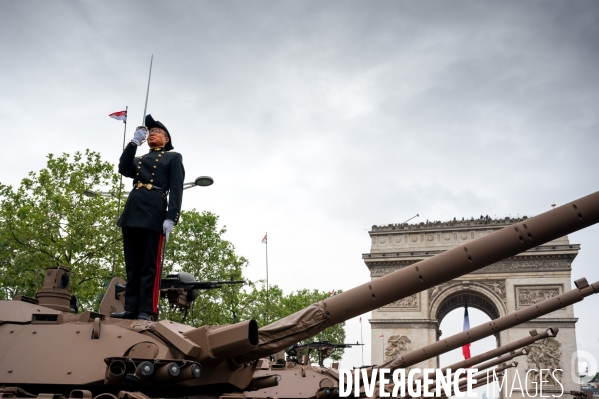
<point x="156" y="293"/>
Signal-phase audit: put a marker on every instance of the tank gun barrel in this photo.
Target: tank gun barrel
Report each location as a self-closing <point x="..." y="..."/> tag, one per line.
<point x="481" y="379"/>
<point x="484" y="378"/>
<point x="512" y="346"/>
<point x="503" y="362"/>
<point x="582" y="290"/>
<point x="494" y="362"/>
<point x="488" y="379"/>
<point x="503" y="352"/>
<point x="428" y="273"/>
<point x="503" y="358"/>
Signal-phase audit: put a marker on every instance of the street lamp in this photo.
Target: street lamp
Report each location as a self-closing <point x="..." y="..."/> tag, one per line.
<point x="202" y="181"/>
<point x="104" y="194"/>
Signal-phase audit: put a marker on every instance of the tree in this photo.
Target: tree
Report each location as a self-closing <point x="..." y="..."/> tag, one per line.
<point x="51" y="219"/>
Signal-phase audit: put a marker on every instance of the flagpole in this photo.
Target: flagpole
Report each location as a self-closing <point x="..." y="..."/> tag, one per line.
<point x="118" y="208"/>
<point x="362" y="340"/>
<point x="383" y="347"/>
<point x="267" y="295"/>
<point x="143" y="122"/>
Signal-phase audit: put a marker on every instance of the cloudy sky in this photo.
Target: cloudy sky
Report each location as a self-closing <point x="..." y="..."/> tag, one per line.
<point x="318" y="119"/>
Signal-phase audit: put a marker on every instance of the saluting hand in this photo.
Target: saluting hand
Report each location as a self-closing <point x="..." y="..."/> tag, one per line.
<point x="140" y="135"/>
<point x="167" y="227"/>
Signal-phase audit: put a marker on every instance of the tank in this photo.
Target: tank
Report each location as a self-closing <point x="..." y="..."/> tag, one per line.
<point x="46" y="349"/>
<point x="299" y="378"/>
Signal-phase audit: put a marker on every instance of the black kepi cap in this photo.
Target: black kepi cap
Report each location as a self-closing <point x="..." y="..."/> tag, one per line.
<point x="151" y="123"/>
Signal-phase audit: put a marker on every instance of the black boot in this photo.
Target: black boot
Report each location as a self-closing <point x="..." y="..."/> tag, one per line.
<point x="127" y="314"/>
<point x="144" y="316"/>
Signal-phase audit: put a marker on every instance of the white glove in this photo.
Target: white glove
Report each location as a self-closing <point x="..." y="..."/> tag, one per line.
<point x="167" y="227"/>
<point x="140" y="135"/>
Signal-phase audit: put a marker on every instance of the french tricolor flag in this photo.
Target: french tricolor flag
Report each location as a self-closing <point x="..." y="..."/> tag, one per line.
<point x="466" y="348"/>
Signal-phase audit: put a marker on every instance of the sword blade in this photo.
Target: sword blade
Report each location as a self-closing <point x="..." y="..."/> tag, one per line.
<point x="143" y="122"/>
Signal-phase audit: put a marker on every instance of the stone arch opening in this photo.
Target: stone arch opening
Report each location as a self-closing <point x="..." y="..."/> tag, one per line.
<point x="487" y="296"/>
<point x="453" y="296"/>
<point x="474" y="299"/>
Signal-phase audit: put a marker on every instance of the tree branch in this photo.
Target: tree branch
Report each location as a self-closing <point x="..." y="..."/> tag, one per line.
<point x="28" y="245"/>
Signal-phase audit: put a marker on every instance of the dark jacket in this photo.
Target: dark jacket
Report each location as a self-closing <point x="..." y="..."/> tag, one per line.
<point x="163" y="170"/>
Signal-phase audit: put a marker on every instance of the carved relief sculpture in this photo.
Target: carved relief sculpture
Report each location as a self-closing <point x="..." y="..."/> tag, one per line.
<point x="433" y="292"/>
<point x="497" y="286"/>
<point x="397" y="345"/>
<point x="546" y="355"/>
<point x="537" y="265"/>
<point x="410" y="302"/>
<point x="527" y="296"/>
<point x="505" y="266"/>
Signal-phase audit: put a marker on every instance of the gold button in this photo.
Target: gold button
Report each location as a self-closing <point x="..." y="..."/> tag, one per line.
<point x="159" y="155"/>
<point x="139" y="167"/>
<point x="156" y="160"/>
<point x="137" y="174"/>
<point x="151" y="181"/>
<point x="152" y="173"/>
<point x="139" y="163"/>
<point x="154" y="166"/>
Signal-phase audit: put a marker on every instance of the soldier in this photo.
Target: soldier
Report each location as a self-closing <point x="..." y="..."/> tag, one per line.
<point x="146" y="220"/>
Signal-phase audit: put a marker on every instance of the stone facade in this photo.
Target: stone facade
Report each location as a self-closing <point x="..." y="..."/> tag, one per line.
<point x="501" y="288"/>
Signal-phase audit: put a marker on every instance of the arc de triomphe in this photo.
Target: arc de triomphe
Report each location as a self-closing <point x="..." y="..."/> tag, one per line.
<point x="497" y="290"/>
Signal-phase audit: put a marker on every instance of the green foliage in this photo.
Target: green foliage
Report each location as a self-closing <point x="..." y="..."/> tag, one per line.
<point x="49" y="220"/>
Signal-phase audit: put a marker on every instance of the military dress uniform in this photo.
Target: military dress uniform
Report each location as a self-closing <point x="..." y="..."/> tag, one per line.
<point x="156" y="196"/>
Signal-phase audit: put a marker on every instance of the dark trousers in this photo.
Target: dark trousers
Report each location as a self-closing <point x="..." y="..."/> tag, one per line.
<point x="143" y="250"/>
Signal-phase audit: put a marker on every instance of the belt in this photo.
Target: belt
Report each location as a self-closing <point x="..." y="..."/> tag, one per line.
<point x="150" y="187"/>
